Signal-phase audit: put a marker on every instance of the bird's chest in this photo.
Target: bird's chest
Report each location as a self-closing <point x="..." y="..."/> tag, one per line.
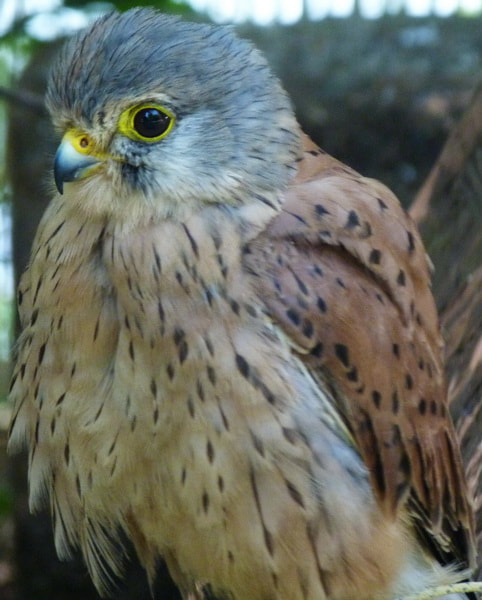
<point x="179" y="296"/>
<point x="149" y="353"/>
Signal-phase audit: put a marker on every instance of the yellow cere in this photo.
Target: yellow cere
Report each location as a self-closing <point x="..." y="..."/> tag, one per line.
<point x="83" y="143"/>
<point x="148" y="122"/>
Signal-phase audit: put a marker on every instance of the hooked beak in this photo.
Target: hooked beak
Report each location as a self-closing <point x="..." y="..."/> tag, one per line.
<point x="74" y="159"/>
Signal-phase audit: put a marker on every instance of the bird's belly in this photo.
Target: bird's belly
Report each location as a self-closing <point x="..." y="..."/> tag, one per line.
<point x="254" y="521"/>
<point x="214" y="449"/>
<point x="253" y="490"/>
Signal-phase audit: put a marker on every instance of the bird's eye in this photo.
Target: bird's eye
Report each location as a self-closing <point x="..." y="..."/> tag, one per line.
<point x="146" y="122"/>
<point x="151" y="122"/>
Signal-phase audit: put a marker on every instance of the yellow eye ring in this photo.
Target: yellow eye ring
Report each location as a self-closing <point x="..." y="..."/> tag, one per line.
<point x="148" y="122"/>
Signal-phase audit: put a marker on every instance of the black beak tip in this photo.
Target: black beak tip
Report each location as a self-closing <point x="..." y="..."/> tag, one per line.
<point x="59" y="173"/>
<point x="59" y="184"/>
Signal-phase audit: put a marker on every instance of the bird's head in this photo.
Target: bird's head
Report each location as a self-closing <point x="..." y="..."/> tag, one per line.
<point x="167" y="114"/>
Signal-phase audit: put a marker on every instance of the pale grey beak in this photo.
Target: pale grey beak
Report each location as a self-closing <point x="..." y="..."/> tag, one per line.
<point x="69" y="164"/>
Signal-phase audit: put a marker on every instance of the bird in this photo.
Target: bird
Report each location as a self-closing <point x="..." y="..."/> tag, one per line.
<point x="230" y="354"/>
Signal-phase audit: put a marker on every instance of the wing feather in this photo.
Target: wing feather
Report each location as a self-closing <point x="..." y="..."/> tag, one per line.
<point x="343" y="271"/>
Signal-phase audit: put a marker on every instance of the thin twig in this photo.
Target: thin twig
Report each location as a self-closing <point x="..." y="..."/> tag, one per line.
<point x="28" y="99"/>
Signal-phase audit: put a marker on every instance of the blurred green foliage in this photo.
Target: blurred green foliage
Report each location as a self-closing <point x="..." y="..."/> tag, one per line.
<point x="6" y="317"/>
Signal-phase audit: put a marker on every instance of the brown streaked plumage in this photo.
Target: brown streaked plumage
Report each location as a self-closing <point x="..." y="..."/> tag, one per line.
<point x="230" y="350"/>
<point x="350" y="283"/>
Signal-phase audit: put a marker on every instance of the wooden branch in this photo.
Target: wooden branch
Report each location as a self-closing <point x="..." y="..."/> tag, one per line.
<point x="27" y="99"/>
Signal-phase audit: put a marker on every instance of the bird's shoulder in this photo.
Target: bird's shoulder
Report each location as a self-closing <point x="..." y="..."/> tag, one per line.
<point x="343" y="272"/>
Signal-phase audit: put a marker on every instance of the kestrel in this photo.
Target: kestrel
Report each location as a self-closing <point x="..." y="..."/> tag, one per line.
<point x="230" y="350"/>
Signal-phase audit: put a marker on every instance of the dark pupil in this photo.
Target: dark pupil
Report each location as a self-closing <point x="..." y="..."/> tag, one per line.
<point x="150" y="122"/>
